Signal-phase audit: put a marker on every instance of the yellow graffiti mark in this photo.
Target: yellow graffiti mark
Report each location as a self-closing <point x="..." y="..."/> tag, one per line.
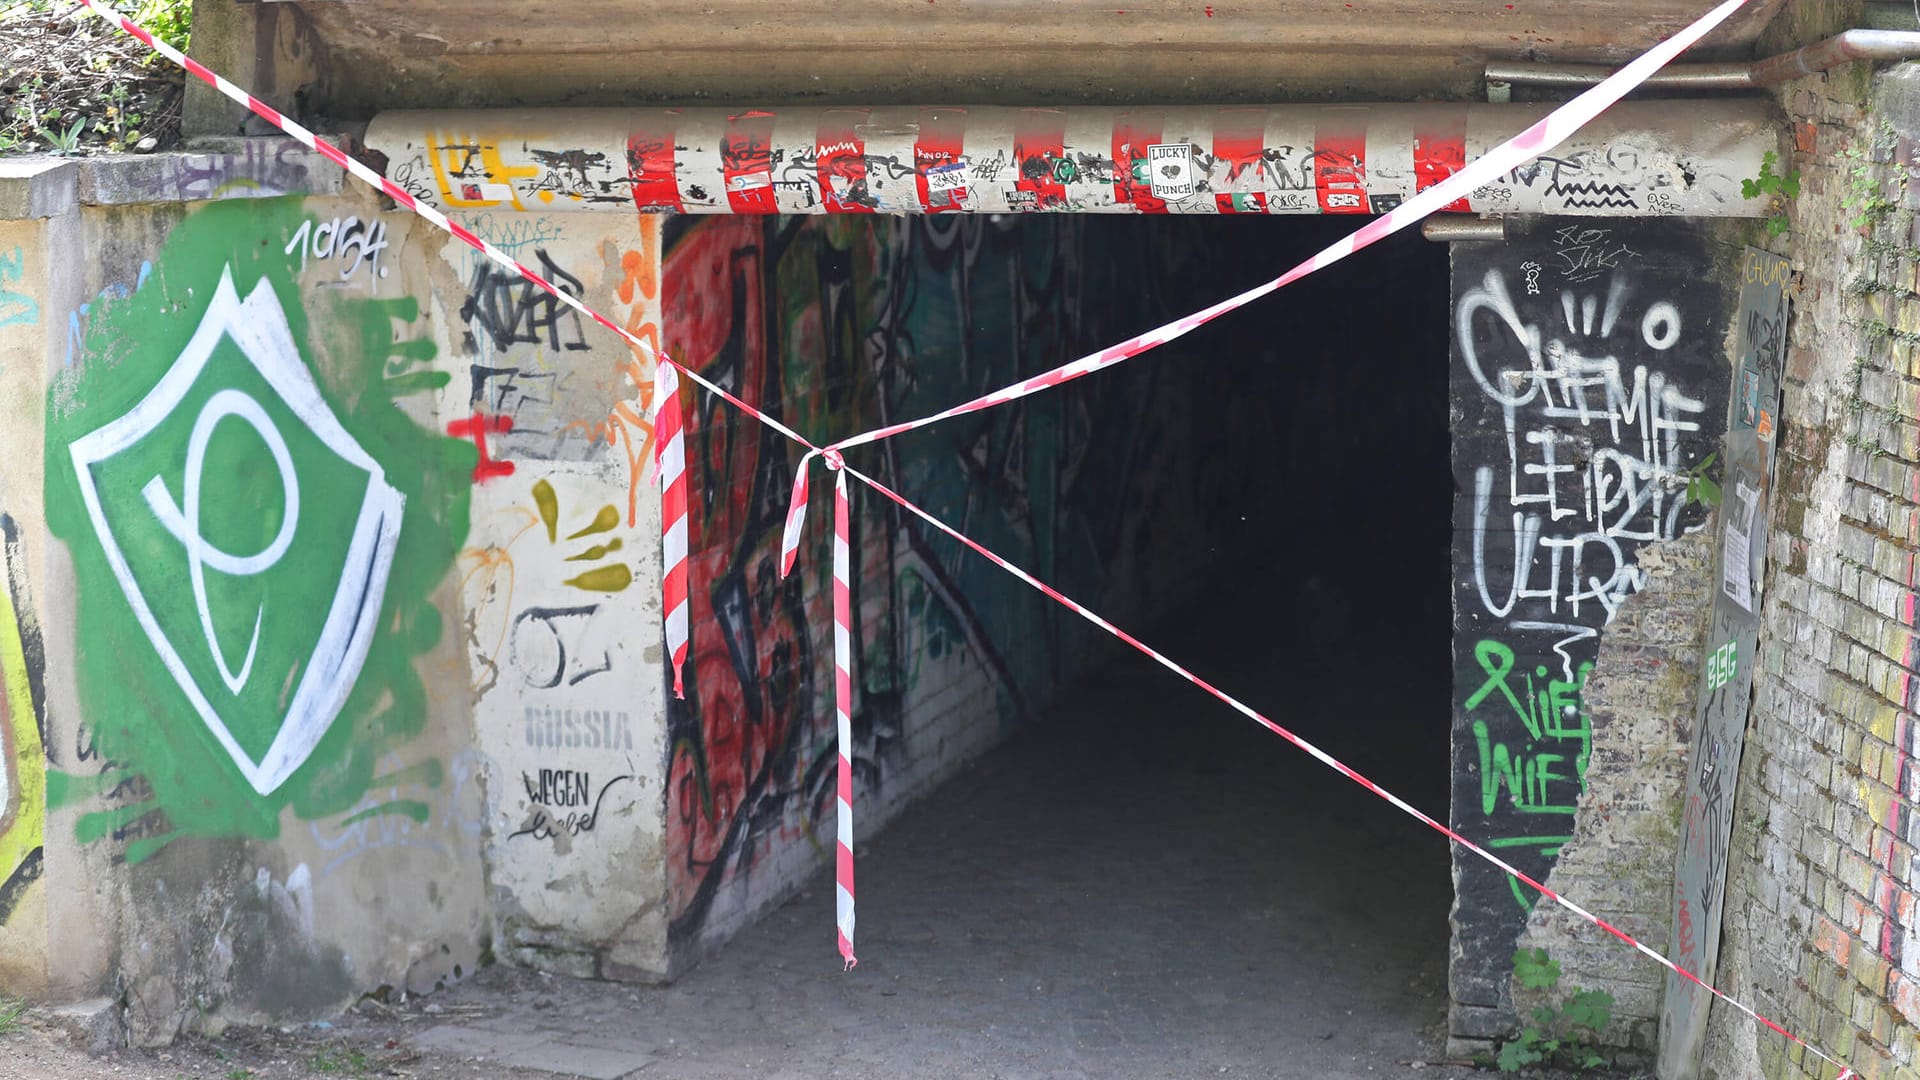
<point x="472" y="174"/>
<point x="1885" y="721"/>
<point x="24" y="816"/>
<point x="606" y="519"/>
<point x="610" y="578"/>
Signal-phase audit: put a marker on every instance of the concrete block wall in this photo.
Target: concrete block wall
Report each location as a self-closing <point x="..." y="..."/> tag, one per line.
<point x="1821" y="929"/>
<point x="1123" y="490"/>
<point x="330" y="654"/>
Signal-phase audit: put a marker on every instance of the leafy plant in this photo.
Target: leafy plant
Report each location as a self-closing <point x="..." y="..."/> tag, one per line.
<point x="65" y="142"/>
<point x="1773" y="186"/>
<point x="1701" y="488"/>
<point x="170" y="20"/>
<point x="1864" y="194"/>
<point x="1866" y="189"/>
<point x="1561" y="1035"/>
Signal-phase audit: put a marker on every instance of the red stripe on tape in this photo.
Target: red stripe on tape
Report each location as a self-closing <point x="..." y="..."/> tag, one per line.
<point x="746" y="163"/>
<point x="1239" y="143"/>
<point x="939" y="172"/>
<point x="651" y="168"/>
<point x="1439" y="151"/>
<point x="840" y="157"/>
<point x="1340" y="165"/>
<point x="1039" y="152"/>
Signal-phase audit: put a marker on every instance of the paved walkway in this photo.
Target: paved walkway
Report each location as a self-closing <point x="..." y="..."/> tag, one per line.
<point x="1140" y="884"/>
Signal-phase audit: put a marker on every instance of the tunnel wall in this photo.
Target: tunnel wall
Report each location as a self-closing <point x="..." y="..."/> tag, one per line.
<point x="440" y="697"/>
<point x="1123" y="490"/>
<point x="1589" y="392"/>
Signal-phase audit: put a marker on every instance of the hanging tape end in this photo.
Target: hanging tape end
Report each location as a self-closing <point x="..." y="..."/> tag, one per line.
<point x="852" y="963"/>
<point x="679" y="686"/>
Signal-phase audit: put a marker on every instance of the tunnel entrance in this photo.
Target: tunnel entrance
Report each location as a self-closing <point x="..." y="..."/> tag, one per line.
<point x="1267" y="500"/>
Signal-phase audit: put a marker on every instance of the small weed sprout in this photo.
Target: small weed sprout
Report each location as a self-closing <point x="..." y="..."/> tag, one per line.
<point x="1778" y="189"/>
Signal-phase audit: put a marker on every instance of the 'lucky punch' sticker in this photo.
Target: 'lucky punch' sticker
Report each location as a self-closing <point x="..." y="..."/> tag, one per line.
<point x="1172" y="165"/>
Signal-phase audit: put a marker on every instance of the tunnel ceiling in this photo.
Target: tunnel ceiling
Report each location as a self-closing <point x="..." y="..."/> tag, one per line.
<point x="426" y="53"/>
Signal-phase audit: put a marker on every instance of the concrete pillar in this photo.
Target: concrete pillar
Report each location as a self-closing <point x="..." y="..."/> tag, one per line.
<point x="264" y="48"/>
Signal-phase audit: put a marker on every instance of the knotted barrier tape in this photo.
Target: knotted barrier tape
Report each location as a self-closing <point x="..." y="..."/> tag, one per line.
<point x="842" y="668"/>
<point x="671" y="461"/>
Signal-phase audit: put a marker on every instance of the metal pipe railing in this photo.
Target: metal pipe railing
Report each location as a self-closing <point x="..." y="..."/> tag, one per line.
<point x="1843" y="48"/>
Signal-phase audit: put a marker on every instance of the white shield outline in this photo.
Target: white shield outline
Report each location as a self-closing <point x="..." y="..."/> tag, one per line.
<point x="258" y="326"/>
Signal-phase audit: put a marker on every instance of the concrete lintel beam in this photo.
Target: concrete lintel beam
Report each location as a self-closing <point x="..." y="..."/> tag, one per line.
<point x="37" y="187"/>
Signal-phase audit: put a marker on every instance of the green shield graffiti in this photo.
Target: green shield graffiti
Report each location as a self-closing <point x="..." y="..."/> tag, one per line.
<point x="203" y="479"/>
<point x="255" y="547"/>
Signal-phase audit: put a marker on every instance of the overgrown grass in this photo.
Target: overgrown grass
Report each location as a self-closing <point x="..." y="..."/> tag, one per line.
<point x="70" y="83"/>
<point x="10" y="1013"/>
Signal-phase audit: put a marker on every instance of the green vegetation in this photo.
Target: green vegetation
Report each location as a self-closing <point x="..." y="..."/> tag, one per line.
<point x="170" y="20"/>
<point x="1775" y="187"/>
<point x="1701" y="487"/>
<point x="1558" y="1035"/>
<point x="341" y="1061"/>
<point x="84" y="86"/>
<point x="10" y="1013"/>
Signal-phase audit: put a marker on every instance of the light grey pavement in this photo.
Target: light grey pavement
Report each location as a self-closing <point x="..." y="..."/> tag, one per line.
<point x="1140" y="884"/>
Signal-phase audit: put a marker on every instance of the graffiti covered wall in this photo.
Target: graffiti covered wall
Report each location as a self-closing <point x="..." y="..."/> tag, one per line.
<point x="561" y="583"/>
<point x="1589" y="397"/>
<point x="364" y="603"/>
<point x="840" y="325"/>
<point x="23" y="958"/>
<point x="259" y="520"/>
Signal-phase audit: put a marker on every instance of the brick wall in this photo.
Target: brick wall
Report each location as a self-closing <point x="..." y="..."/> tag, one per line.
<point x="1820" y="925"/>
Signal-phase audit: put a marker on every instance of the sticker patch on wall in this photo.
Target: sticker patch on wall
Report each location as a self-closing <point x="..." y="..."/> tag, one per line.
<point x="1172" y="169"/>
<point x="171" y="488"/>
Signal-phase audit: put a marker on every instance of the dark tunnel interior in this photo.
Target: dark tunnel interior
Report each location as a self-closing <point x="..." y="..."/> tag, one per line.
<point x="1267" y="500"/>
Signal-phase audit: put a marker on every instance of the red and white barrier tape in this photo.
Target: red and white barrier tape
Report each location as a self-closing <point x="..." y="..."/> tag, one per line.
<point x="1328" y="759"/>
<point x="1548" y="132"/>
<point x="842" y="669"/>
<point x="670" y="458"/>
<point x="843" y="712"/>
